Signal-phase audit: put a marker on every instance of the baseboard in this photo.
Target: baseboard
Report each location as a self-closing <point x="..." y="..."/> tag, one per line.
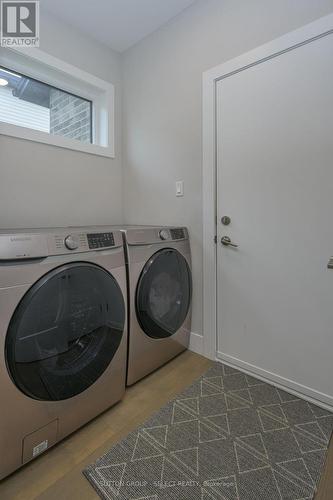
<point x="318" y="398"/>
<point x="196" y="343"/>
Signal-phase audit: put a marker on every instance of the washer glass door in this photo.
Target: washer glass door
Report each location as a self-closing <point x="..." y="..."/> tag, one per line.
<point x="65" y="331"/>
<point x="163" y="294"/>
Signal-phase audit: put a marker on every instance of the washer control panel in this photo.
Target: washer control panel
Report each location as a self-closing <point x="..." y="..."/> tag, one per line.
<point x="100" y="240"/>
<point x="164" y="234"/>
<point x="42" y="243"/>
<point x="72" y="242"/>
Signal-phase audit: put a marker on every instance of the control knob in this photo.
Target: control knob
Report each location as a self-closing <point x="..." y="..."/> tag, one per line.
<point x="71" y="242"/>
<point x="164" y="234"/>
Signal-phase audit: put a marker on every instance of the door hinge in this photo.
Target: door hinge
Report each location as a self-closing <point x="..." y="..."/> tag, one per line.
<point x="215" y="239"/>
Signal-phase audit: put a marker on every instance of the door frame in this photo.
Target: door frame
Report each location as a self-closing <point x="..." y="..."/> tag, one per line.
<point x="317" y="29"/>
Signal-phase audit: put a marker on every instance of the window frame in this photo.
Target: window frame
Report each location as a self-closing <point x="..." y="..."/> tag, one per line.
<point x="52" y="71"/>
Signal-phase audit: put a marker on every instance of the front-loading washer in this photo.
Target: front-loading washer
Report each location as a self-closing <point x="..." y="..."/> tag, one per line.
<point x="159" y="296"/>
<point x="63" y="335"/>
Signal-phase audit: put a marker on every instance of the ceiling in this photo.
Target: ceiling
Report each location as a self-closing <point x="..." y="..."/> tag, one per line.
<point x="116" y="23"/>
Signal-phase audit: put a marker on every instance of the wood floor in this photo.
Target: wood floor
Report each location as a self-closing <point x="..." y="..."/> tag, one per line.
<point x="325" y="490"/>
<point x="57" y="475"/>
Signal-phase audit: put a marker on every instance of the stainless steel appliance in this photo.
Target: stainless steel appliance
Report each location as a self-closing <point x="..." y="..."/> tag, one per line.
<point x="160" y="291"/>
<point x="63" y="335"/>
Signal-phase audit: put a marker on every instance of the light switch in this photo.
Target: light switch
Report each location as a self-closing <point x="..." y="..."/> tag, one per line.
<point x="179" y="188"/>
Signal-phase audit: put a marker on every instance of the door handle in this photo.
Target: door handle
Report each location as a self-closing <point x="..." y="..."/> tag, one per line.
<point x="330" y="263"/>
<point x="226" y="241"/>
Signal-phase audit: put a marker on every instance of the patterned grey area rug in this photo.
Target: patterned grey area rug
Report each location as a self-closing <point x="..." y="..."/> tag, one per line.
<point x="228" y="436"/>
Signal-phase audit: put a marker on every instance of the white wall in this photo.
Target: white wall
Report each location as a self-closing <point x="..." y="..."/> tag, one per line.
<point x="42" y="185"/>
<point x="162" y="105"/>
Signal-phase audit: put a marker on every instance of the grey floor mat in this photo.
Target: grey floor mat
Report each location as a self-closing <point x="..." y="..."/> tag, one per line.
<point x="227" y="436"/>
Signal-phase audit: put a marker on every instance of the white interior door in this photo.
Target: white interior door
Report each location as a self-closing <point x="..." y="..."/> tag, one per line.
<point x="275" y="182"/>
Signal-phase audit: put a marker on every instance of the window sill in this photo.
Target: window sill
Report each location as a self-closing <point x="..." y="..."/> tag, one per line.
<point x="54" y="140"/>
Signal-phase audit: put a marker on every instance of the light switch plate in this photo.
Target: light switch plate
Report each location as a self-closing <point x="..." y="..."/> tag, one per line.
<point x="179" y="188"/>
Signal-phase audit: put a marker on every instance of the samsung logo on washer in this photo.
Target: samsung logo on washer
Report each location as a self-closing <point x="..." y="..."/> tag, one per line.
<point x="20" y="238"/>
<point x="22" y="245"/>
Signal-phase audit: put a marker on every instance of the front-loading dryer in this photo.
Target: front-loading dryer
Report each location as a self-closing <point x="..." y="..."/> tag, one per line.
<point x="160" y="292"/>
<point x="63" y="335"/>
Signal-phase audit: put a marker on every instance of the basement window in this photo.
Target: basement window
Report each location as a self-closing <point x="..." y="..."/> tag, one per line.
<point x="43" y="99"/>
<point x="33" y="104"/>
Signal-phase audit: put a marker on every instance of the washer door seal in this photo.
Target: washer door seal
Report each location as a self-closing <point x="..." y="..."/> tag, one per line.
<point x="65" y="332"/>
<point x="163" y="294"/>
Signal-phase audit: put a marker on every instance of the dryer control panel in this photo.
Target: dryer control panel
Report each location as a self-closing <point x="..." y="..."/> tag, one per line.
<point x="148" y="235"/>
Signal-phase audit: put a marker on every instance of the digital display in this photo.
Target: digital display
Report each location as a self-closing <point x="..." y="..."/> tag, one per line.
<point x="177" y="233"/>
<point x="100" y="240"/>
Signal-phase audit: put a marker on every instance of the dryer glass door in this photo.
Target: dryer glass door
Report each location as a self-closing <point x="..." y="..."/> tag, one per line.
<point x="163" y="294"/>
<point x="65" y="332"/>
